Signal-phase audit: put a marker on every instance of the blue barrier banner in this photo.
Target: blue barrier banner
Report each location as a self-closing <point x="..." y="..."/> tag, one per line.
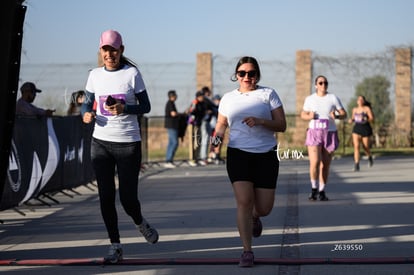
<point x="47" y="155"/>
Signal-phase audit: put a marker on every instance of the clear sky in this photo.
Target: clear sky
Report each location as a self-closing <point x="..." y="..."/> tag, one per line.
<point x="164" y="36"/>
<point x="174" y="31"/>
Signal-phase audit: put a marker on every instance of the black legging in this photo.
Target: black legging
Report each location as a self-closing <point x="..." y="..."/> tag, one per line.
<point x="126" y="157"/>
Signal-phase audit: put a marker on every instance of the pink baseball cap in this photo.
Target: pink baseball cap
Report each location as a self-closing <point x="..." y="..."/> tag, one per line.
<point x="111" y="38"/>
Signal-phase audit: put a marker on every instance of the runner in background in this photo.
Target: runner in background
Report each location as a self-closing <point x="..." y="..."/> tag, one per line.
<point x="321" y="109"/>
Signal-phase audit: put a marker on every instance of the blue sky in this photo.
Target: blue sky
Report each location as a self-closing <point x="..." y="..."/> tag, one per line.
<point x="174" y="31"/>
<point x="164" y="36"/>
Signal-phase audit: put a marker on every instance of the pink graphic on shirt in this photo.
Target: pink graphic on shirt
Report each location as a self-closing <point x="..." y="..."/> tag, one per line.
<point x="120" y="98"/>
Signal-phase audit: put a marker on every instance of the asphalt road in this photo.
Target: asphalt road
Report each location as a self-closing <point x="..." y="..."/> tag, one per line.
<point x="367" y="226"/>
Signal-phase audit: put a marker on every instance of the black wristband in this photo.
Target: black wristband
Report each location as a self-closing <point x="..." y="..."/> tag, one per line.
<point x="216" y="140"/>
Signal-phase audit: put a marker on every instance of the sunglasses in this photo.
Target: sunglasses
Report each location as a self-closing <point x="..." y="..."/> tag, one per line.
<point x="323" y="83"/>
<point x="250" y="74"/>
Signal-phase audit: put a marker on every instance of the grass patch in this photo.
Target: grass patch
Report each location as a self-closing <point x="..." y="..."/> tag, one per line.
<point x="349" y="151"/>
<point x="182" y="152"/>
<point x="393" y="151"/>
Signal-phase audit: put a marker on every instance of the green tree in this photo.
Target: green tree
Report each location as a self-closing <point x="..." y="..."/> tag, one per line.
<point x="375" y="90"/>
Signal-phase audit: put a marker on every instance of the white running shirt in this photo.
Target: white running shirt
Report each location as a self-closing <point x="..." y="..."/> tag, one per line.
<point x="237" y="106"/>
<point x="121" y="84"/>
<point x="322" y="106"/>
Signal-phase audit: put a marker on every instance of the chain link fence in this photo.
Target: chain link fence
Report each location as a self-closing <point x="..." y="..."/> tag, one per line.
<point x="344" y="72"/>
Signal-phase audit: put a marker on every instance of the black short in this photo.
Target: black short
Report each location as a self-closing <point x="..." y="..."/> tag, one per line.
<point x="362" y="129"/>
<point x="260" y="168"/>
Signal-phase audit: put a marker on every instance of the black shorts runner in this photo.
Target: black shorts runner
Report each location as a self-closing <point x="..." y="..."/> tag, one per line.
<point x="260" y="168"/>
<point x="362" y="129"/>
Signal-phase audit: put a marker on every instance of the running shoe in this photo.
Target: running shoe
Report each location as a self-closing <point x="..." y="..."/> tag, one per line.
<point x="257" y="227"/>
<point x="314" y="195"/>
<point x="202" y="162"/>
<point x="246" y="259"/>
<point x="149" y="232"/>
<point x="356" y="167"/>
<point x="322" y="196"/>
<point x="370" y="161"/>
<point x="114" y="254"/>
<point x="169" y="165"/>
<point x="219" y="160"/>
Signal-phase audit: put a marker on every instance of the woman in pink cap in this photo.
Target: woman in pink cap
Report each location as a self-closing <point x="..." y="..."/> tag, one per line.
<point x="120" y="95"/>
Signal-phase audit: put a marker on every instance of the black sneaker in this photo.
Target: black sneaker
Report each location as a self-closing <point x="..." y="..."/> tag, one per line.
<point x="247" y="259"/>
<point x="257" y="227"/>
<point x="370" y="161"/>
<point x="114" y="254"/>
<point x="356" y="167"/>
<point x="314" y="195"/>
<point x="218" y="160"/>
<point x="322" y="196"/>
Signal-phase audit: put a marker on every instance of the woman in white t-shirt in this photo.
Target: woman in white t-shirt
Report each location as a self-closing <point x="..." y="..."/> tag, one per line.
<point x="120" y="95"/>
<point x="253" y="114"/>
<point x="321" y="109"/>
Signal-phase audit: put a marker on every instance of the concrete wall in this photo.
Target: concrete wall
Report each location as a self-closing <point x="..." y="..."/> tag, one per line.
<point x="204" y="73"/>
<point x="403" y="84"/>
<point x="303" y="89"/>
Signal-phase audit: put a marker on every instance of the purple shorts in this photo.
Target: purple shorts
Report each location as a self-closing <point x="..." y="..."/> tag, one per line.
<point x="316" y="137"/>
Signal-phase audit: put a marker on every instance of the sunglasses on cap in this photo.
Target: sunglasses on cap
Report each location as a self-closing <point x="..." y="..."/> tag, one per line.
<point x="250" y="74"/>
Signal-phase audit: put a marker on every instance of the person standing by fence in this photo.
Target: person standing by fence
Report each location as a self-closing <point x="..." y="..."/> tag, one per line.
<point x="362" y="115"/>
<point x="76" y="100"/>
<point x="253" y="114"/>
<point x="196" y="113"/>
<point x="215" y="151"/>
<point x="117" y="88"/>
<point x="24" y="104"/>
<point x="322" y="139"/>
<point x="172" y="124"/>
<point x="205" y="127"/>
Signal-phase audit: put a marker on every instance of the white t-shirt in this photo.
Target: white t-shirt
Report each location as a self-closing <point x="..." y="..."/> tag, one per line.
<point x="237" y="106"/>
<point x="122" y="85"/>
<point x="322" y="106"/>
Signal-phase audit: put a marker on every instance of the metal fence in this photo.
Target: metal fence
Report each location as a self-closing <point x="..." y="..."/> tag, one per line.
<point x="344" y="72"/>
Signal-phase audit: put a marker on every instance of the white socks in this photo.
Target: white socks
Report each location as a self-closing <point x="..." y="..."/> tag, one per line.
<point x="321" y="186"/>
<point x="315" y="185"/>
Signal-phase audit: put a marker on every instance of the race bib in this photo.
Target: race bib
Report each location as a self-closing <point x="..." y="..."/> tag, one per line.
<point x="359" y="118"/>
<point x="321" y="124"/>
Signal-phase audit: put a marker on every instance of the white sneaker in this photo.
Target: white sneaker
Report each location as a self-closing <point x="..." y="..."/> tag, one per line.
<point x="192" y="163"/>
<point x="169" y="165"/>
